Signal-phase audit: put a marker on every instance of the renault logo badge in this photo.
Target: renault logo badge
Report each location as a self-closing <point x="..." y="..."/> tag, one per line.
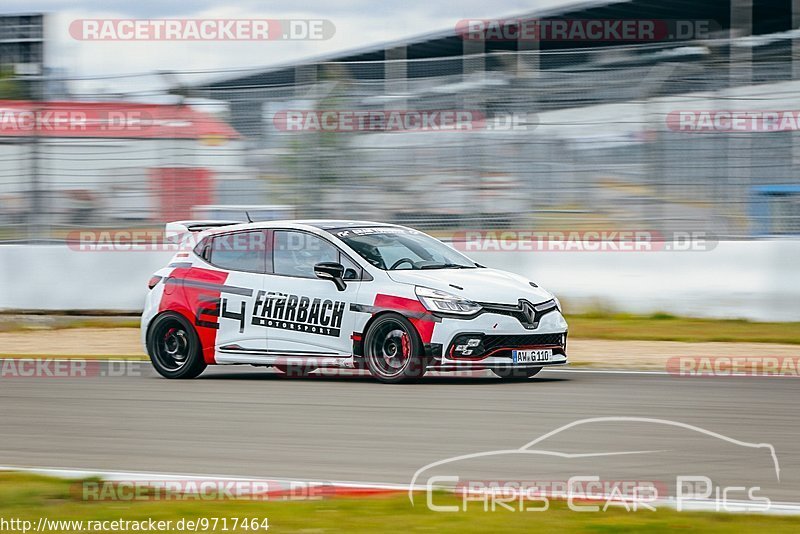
<point x="528" y="312"/>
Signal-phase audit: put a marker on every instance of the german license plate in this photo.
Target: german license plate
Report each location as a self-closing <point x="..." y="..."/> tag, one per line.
<point x="532" y="356"/>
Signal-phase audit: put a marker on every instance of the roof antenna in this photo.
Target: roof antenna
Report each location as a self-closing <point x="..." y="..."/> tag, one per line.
<point x="248" y="216"/>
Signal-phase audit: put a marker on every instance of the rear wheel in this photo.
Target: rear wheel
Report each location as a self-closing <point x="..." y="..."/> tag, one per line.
<point x="514" y="374"/>
<point x="174" y="347"/>
<point x="394" y="350"/>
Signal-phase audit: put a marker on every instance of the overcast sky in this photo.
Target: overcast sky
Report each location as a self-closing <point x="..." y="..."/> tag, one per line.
<point x="358" y="23"/>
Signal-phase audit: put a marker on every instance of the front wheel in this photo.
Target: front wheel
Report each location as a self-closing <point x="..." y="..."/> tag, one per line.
<point x="394" y="350"/>
<point x="174" y="347"/>
<point x="514" y="374"/>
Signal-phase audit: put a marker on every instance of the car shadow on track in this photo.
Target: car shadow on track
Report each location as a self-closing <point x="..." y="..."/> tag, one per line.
<point x="487" y="380"/>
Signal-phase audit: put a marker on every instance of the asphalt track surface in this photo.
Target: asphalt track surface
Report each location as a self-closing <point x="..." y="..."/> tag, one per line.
<point x="244" y="421"/>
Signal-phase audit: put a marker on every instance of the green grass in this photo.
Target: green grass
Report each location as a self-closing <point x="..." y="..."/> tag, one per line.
<point x="665" y="327"/>
<point x="30" y="497"/>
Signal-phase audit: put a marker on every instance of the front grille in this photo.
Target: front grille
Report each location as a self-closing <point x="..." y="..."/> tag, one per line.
<point x="502" y="345"/>
<point x="523" y="340"/>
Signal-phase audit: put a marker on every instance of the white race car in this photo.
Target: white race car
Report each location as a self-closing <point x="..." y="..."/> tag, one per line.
<point x="302" y="295"/>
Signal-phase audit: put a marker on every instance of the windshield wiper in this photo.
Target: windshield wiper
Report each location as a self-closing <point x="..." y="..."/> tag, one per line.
<point x="445" y="266"/>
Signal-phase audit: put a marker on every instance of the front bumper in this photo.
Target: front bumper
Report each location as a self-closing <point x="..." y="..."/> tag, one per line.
<point x="497" y="335"/>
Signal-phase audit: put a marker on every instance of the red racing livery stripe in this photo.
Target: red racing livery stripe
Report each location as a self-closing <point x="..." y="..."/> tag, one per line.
<point x="199" y="305"/>
<point x="401" y="304"/>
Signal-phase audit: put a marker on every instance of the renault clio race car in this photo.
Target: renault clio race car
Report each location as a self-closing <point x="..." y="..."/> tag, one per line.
<point x="303" y="295"/>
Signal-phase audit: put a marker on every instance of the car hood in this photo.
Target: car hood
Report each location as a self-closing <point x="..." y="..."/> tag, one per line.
<point x="480" y="285"/>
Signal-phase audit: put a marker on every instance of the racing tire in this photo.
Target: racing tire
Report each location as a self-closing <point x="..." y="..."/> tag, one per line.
<point x="513" y="374"/>
<point x="295" y="370"/>
<point x="174" y="347"/>
<point x="393" y="350"/>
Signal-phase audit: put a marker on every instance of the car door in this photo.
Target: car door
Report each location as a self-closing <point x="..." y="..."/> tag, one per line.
<point x="306" y="316"/>
<point x="244" y="256"/>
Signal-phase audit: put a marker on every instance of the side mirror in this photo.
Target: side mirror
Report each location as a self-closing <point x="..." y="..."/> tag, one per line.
<point x="330" y="270"/>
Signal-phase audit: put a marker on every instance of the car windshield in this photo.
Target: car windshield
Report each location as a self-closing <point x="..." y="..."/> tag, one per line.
<point x="391" y="248"/>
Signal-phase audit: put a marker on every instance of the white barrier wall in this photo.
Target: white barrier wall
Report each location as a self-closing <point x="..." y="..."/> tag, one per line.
<point x="757" y="280"/>
<point x="55" y="277"/>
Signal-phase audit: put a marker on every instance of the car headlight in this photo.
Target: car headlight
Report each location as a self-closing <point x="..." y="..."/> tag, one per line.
<point x="555" y="299"/>
<point x="444" y="302"/>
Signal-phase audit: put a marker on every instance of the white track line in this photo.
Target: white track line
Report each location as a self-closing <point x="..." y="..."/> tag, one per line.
<point x="71" y="473"/>
<point x="662" y="373"/>
<point x="446" y="373"/>
<point x="609" y="371"/>
<point x="701" y="505"/>
<point x="441" y="373"/>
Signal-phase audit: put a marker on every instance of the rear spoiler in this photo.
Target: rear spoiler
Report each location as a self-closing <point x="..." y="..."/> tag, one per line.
<point x="178" y="231"/>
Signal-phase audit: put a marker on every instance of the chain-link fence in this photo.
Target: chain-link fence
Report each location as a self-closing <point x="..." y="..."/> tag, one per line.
<point x="700" y="137"/>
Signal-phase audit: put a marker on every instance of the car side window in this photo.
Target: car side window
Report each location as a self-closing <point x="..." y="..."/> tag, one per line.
<point x="203" y="248"/>
<point x="240" y="251"/>
<point x="296" y="253"/>
<point x="351" y="270"/>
